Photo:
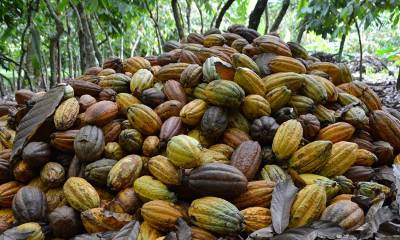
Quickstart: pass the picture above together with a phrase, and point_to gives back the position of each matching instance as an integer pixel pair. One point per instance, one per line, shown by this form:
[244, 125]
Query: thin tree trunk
[216, 14]
[55, 64]
[69, 51]
[341, 47]
[22, 41]
[398, 81]
[2, 89]
[89, 54]
[175, 11]
[281, 14]
[301, 32]
[134, 46]
[121, 54]
[59, 62]
[201, 17]
[255, 15]
[266, 14]
[188, 11]
[361, 48]
[156, 26]
[221, 14]
[93, 38]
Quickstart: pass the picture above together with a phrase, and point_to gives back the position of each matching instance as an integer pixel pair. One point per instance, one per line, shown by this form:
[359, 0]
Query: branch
[4, 57]
[175, 11]
[361, 49]
[59, 24]
[201, 16]
[255, 16]
[279, 18]
[222, 12]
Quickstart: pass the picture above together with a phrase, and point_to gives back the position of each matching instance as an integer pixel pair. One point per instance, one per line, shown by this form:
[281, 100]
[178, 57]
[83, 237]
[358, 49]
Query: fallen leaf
[282, 199]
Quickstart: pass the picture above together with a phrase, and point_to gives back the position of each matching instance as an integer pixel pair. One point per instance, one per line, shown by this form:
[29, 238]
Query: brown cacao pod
[168, 109]
[126, 201]
[227, 181]
[124, 172]
[101, 113]
[100, 220]
[258, 194]
[340, 131]
[36, 154]
[345, 213]
[247, 158]
[386, 127]
[62, 217]
[7, 193]
[234, 137]
[173, 90]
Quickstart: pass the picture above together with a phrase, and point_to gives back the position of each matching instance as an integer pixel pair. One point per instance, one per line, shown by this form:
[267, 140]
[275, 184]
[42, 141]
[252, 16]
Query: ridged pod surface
[287, 139]
[286, 64]
[293, 81]
[184, 151]
[342, 158]
[329, 68]
[249, 81]
[144, 119]
[308, 205]
[314, 89]
[150, 189]
[330, 88]
[133, 64]
[141, 80]
[247, 158]
[147, 232]
[312, 157]
[234, 137]
[242, 60]
[278, 97]
[224, 93]
[80, 194]
[386, 127]
[118, 82]
[364, 93]
[216, 215]
[255, 106]
[256, 218]
[345, 213]
[270, 43]
[193, 111]
[301, 104]
[273, 173]
[217, 179]
[125, 172]
[258, 194]
[324, 114]
[365, 158]
[214, 122]
[161, 215]
[89, 143]
[66, 114]
[340, 131]
[124, 101]
[162, 169]
[170, 71]
[191, 76]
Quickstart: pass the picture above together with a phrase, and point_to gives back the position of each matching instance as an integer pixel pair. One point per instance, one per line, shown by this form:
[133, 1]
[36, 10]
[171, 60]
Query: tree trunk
[134, 46]
[121, 54]
[2, 89]
[341, 47]
[279, 18]
[156, 26]
[55, 64]
[69, 51]
[302, 29]
[398, 81]
[266, 19]
[89, 58]
[30, 11]
[175, 11]
[215, 15]
[361, 48]
[255, 16]
[221, 14]
[201, 17]
[188, 11]
[93, 38]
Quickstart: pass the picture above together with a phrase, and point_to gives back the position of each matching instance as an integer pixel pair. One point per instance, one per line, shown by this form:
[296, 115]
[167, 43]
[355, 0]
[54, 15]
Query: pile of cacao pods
[201, 136]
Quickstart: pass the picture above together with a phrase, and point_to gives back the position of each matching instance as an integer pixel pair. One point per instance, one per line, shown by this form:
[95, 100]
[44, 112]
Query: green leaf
[61, 6]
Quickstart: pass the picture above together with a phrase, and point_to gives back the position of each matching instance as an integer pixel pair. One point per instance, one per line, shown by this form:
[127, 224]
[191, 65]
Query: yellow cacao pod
[312, 157]
[66, 114]
[150, 189]
[184, 151]
[343, 156]
[80, 194]
[255, 106]
[287, 139]
[256, 218]
[308, 205]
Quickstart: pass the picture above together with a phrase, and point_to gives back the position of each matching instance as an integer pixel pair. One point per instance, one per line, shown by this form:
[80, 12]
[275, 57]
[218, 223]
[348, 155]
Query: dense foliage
[43, 42]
